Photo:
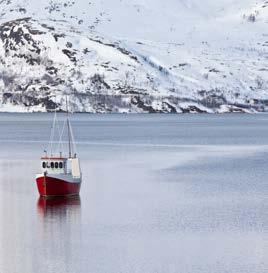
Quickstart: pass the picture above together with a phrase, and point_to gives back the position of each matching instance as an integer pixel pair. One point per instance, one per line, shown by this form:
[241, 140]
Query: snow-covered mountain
[134, 56]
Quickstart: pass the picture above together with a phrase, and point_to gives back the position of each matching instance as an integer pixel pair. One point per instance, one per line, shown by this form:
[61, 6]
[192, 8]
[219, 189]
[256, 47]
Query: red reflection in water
[57, 205]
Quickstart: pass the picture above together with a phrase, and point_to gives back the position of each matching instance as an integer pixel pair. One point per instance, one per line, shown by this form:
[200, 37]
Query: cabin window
[44, 165]
[56, 165]
[60, 165]
[48, 165]
[52, 165]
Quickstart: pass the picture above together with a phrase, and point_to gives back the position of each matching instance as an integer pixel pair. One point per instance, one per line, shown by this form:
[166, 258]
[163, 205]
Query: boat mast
[52, 133]
[69, 130]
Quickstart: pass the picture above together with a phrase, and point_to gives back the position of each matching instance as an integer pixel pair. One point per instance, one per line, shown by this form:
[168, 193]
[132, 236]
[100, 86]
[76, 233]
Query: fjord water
[160, 194]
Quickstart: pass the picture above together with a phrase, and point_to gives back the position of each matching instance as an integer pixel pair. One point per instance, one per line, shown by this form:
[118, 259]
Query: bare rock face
[55, 48]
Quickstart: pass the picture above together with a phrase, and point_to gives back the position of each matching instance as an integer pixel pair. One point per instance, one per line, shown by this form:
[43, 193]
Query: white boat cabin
[61, 165]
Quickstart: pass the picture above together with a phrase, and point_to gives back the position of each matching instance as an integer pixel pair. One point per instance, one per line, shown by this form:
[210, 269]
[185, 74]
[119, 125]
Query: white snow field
[134, 56]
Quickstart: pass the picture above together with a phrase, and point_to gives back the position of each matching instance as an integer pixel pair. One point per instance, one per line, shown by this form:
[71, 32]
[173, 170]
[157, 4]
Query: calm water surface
[160, 194]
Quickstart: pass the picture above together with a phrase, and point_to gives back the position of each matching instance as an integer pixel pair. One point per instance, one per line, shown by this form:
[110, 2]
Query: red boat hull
[50, 186]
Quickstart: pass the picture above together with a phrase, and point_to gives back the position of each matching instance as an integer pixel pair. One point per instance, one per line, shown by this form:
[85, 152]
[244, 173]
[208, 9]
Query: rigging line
[73, 140]
[59, 134]
[59, 148]
[69, 138]
[69, 134]
[56, 120]
[52, 134]
[60, 144]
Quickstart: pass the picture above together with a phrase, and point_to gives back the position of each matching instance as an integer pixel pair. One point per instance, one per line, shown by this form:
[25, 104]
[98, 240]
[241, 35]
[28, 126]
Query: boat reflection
[58, 206]
[59, 231]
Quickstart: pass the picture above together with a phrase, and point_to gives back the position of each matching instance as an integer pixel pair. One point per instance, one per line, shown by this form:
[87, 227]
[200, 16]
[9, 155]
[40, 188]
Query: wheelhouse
[54, 165]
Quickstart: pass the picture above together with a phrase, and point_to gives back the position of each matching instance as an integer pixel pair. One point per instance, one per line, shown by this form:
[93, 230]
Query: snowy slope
[134, 56]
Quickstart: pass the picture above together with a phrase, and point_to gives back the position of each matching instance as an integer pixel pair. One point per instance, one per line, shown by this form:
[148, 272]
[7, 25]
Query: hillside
[143, 56]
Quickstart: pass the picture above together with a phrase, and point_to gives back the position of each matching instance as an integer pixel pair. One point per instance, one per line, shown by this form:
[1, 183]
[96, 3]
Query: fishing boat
[60, 175]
